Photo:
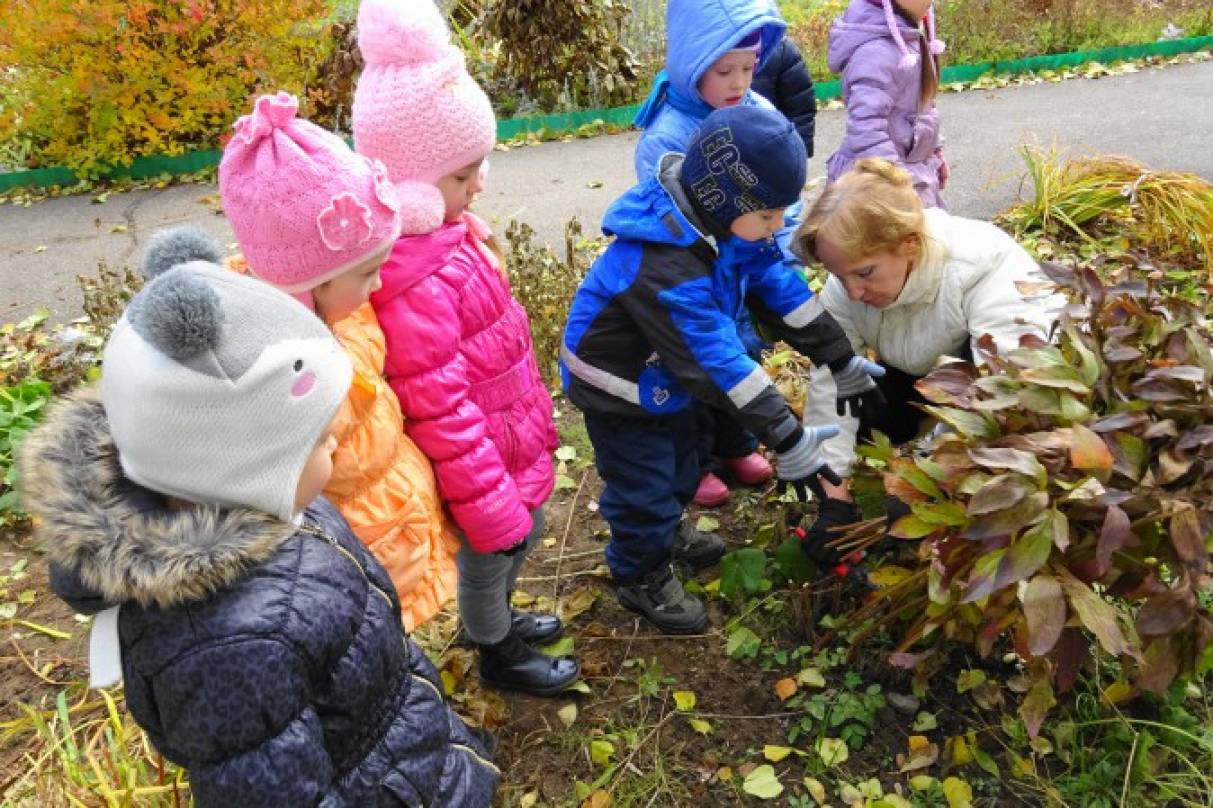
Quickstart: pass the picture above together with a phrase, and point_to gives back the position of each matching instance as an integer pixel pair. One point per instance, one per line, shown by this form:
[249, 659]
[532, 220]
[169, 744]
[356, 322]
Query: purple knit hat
[304, 206]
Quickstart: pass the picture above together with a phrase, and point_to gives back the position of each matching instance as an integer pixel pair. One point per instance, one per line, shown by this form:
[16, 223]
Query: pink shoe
[712, 492]
[753, 469]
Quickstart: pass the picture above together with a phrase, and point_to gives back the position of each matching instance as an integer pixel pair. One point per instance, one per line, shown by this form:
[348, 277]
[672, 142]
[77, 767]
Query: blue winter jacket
[698, 33]
[266, 658]
[654, 324]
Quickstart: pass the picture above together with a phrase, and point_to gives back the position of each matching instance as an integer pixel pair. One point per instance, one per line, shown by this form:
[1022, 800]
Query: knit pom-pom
[178, 245]
[909, 60]
[178, 313]
[937, 46]
[422, 208]
[402, 32]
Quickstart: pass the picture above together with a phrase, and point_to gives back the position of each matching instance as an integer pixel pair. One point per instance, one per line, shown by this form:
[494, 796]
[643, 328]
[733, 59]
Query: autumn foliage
[90, 83]
[1071, 504]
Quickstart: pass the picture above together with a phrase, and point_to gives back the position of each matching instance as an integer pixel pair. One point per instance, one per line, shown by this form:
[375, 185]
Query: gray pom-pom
[179, 313]
[178, 245]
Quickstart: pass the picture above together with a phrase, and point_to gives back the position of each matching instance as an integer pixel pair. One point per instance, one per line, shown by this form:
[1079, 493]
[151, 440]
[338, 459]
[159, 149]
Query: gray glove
[855, 386]
[800, 465]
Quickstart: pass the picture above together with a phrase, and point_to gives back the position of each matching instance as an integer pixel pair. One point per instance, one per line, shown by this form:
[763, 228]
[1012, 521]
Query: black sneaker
[513, 665]
[659, 597]
[695, 548]
[536, 628]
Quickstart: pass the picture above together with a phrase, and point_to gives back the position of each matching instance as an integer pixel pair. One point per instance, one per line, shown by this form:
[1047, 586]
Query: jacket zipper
[320, 534]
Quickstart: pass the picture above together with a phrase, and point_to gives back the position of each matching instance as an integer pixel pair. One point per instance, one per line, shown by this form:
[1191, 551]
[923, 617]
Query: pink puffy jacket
[459, 357]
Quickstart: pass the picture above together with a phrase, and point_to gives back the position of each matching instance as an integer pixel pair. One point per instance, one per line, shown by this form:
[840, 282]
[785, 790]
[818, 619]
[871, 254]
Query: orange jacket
[382, 483]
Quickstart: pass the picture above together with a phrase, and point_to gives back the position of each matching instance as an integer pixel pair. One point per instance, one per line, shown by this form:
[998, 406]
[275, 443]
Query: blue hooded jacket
[698, 33]
[654, 324]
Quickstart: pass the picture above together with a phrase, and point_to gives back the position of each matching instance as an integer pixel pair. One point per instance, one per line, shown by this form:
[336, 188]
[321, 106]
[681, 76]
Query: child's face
[758, 225]
[875, 280]
[728, 80]
[461, 187]
[343, 295]
[914, 8]
[316, 471]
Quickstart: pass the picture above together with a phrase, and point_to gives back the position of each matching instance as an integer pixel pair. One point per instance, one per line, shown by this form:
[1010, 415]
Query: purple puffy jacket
[459, 357]
[884, 118]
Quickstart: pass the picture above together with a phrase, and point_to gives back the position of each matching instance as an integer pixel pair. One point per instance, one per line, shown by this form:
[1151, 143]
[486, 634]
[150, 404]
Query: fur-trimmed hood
[119, 541]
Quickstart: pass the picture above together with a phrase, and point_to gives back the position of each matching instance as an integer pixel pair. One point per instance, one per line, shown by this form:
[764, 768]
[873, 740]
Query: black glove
[894, 509]
[833, 513]
[800, 464]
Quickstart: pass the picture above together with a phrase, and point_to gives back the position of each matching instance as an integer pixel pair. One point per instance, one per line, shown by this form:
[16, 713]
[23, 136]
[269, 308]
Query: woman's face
[875, 280]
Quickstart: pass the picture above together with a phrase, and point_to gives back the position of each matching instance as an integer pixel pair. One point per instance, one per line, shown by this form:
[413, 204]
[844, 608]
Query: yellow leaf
[816, 790]
[599, 799]
[724, 774]
[887, 576]
[684, 700]
[449, 682]
[922, 754]
[567, 714]
[811, 677]
[522, 599]
[958, 793]
[785, 689]
[776, 753]
[958, 751]
[922, 782]
[528, 799]
[700, 726]
[1117, 692]
[833, 751]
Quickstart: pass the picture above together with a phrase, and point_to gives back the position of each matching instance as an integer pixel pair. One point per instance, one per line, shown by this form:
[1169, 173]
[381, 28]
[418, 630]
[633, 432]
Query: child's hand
[944, 173]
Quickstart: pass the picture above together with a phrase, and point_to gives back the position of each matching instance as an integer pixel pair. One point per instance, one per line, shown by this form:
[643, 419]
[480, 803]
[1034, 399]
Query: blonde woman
[911, 285]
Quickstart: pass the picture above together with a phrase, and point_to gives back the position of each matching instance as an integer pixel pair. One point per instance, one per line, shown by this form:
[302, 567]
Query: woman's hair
[930, 65]
[872, 208]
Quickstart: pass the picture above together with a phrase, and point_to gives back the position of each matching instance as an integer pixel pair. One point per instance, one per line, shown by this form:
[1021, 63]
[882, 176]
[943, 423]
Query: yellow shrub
[91, 83]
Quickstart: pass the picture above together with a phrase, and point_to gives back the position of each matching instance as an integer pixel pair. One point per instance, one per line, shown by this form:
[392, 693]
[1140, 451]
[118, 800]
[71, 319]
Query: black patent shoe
[513, 665]
[536, 628]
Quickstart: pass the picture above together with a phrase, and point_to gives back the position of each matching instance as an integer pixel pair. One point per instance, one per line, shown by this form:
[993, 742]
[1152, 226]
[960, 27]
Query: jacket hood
[863, 22]
[698, 32]
[657, 210]
[122, 542]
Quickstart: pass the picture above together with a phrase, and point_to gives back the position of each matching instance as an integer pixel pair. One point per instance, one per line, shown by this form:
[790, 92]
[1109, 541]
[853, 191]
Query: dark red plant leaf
[1073, 650]
[1113, 535]
[1044, 609]
[1061, 275]
[1000, 493]
[1032, 549]
[1124, 421]
[1188, 538]
[950, 384]
[1036, 705]
[1016, 460]
[1161, 429]
[1159, 666]
[1116, 353]
[1166, 613]
[909, 660]
[1159, 391]
[1096, 614]
[1173, 465]
[1200, 436]
[1002, 523]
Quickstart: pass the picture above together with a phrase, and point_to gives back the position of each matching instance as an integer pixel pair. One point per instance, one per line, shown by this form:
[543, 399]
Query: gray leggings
[485, 583]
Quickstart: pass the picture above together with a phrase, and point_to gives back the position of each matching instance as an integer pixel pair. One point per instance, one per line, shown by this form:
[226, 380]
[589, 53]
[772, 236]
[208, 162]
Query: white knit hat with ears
[217, 386]
[909, 58]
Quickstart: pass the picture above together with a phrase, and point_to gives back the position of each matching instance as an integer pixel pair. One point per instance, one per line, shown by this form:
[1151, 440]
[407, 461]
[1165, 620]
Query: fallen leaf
[567, 714]
[776, 753]
[528, 799]
[811, 677]
[816, 790]
[785, 688]
[700, 726]
[922, 753]
[724, 773]
[922, 782]
[762, 783]
[969, 679]
[958, 793]
[833, 751]
[925, 722]
[706, 524]
[684, 700]
[599, 799]
[1117, 692]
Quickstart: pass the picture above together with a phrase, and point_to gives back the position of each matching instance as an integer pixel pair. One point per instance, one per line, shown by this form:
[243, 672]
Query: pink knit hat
[415, 106]
[305, 207]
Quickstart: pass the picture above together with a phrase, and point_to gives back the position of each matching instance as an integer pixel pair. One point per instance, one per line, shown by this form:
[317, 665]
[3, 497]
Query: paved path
[1161, 117]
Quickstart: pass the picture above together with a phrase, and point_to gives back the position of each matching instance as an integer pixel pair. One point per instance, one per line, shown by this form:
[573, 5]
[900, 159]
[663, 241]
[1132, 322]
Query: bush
[566, 53]
[545, 285]
[93, 83]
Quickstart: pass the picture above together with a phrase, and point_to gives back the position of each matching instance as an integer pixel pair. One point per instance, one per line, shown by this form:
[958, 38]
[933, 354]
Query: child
[653, 327]
[459, 350]
[890, 75]
[713, 52]
[317, 220]
[913, 285]
[783, 79]
[260, 643]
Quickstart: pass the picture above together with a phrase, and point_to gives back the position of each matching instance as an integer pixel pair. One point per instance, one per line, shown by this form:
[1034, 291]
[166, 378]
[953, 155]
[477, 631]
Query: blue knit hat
[743, 159]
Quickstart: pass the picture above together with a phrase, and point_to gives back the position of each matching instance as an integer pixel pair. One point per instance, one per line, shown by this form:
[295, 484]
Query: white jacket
[964, 287]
